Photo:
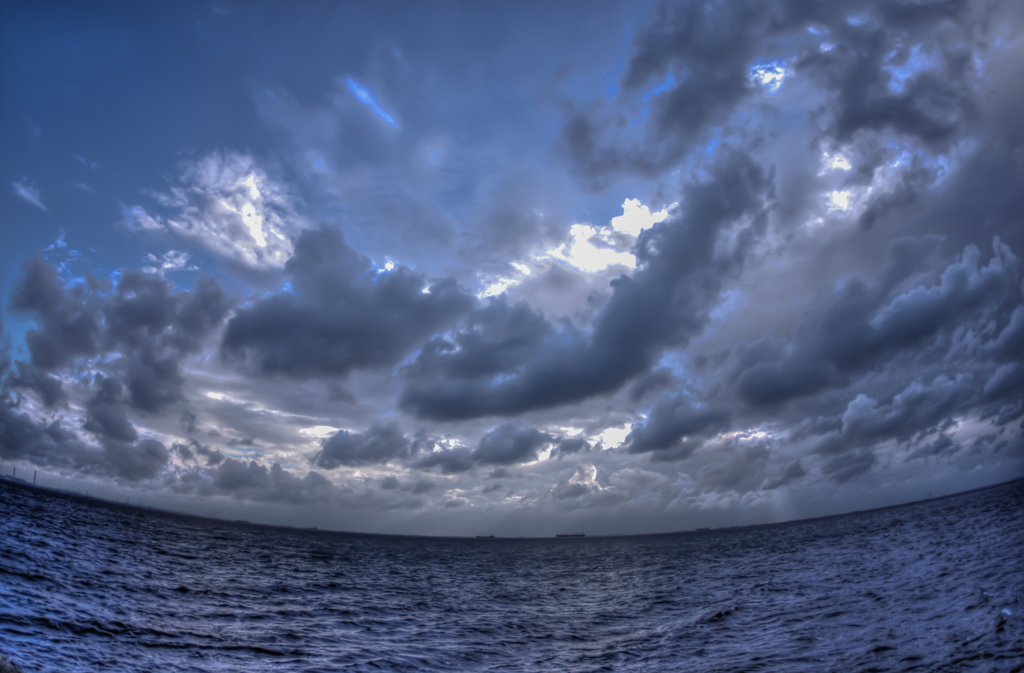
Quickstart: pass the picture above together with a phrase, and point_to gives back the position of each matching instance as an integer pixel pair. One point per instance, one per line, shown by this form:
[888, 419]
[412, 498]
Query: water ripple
[937, 586]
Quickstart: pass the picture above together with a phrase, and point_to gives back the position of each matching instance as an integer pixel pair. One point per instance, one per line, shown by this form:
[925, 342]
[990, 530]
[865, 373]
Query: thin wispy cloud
[366, 97]
[27, 191]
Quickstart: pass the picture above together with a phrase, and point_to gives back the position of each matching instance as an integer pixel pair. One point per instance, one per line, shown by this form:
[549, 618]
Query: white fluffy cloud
[227, 204]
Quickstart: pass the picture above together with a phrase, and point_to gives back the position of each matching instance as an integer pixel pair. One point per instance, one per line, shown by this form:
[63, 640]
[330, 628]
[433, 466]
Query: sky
[513, 268]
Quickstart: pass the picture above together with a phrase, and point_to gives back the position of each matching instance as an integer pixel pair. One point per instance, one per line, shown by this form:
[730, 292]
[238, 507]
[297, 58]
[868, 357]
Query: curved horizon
[98, 501]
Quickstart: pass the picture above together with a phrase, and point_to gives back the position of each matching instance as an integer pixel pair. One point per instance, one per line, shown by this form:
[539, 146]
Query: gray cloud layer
[834, 298]
[342, 315]
[508, 359]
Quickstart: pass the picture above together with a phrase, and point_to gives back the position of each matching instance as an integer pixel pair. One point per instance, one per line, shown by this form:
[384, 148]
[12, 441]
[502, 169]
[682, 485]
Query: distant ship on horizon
[570, 535]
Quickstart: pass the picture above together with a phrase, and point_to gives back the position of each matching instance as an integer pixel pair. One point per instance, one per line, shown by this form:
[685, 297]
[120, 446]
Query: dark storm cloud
[691, 67]
[148, 328]
[381, 443]
[847, 466]
[706, 50]
[932, 106]
[424, 486]
[1010, 342]
[142, 308]
[26, 375]
[910, 184]
[46, 444]
[51, 444]
[235, 475]
[909, 418]
[790, 473]
[198, 314]
[565, 490]
[742, 472]
[943, 445]
[5, 360]
[570, 445]
[155, 327]
[107, 417]
[253, 481]
[188, 422]
[193, 448]
[343, 314]
[915, 314]
[505, 360]
[985, 190]
[493, 340]
[1007, 380]
[995, 442]
[510, 444]
[68, 319]
[144, 319]
[918, 408]
[213, 456]
[128, 456]
[674, 423]
[154, 379]
[135, 462]
[1010, 413]
[450, 461]
[658, 379]
[864, 323]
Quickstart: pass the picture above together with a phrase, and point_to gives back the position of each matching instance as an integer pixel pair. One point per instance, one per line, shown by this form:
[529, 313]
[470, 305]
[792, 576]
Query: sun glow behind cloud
[833, 162]
[770, 75]
[590, 249]
[840, 199]
[250, 209]
[228, 204]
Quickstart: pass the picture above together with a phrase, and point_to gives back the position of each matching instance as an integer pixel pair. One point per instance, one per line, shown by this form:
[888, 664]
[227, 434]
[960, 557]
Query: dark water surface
[936, 586]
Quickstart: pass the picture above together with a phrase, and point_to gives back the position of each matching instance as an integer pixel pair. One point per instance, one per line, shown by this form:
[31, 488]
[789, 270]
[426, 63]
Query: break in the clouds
[444, 269]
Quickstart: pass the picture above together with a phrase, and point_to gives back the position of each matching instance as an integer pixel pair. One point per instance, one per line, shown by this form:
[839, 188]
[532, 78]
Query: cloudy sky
[513, 267]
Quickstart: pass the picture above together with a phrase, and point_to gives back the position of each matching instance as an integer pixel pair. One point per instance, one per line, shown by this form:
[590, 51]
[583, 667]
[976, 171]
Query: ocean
[933, 586]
